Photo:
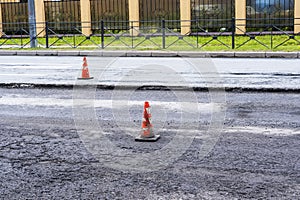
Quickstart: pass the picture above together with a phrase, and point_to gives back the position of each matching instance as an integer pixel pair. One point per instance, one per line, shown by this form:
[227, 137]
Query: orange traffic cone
[85, 70]
[147, 132]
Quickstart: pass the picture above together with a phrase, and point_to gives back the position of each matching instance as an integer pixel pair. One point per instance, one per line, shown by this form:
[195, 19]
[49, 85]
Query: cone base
[143, 139]
[85, 78]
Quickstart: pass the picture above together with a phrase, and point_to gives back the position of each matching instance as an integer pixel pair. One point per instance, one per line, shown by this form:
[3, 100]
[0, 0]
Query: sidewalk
[132, 53]
[245, 74]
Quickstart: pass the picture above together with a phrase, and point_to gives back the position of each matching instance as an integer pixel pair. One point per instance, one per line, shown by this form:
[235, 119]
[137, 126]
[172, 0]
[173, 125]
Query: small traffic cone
[85, 70]
[147, 134]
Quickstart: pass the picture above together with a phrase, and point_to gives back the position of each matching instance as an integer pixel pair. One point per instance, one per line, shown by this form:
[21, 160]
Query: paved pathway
[261, 73]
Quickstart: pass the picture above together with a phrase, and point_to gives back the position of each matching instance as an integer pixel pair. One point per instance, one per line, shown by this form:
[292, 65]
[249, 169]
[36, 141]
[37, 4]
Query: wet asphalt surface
[257, 155]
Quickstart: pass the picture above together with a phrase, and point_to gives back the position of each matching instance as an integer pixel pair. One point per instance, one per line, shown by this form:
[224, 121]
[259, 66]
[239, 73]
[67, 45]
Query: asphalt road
[137, 71]
[47, 150]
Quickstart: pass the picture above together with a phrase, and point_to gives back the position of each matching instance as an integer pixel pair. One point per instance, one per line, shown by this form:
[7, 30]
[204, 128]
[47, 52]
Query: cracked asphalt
[43, 156]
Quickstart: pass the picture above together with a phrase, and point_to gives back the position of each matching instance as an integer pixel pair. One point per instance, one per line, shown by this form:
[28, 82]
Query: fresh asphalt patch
[42, 154]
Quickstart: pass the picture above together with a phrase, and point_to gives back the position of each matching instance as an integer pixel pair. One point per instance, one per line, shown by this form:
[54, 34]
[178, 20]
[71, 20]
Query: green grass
[174, 43]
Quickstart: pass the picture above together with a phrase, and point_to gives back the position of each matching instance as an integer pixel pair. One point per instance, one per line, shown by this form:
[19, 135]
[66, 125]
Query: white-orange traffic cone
[147, 132]
[85, 70]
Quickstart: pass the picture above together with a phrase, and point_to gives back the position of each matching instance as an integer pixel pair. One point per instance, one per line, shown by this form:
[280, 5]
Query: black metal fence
[271, 37]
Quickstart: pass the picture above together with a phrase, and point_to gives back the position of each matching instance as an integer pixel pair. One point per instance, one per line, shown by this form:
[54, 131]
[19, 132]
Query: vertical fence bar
[163, 33]
[232, 32]
[102, 34]
[131, 35]
[272, 37]
[22, 38]
[74, 35]
[197, 38]
[1, 21]
[47, 35]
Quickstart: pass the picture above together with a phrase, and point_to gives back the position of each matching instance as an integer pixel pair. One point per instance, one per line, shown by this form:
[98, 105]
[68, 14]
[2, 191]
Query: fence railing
[225, 34]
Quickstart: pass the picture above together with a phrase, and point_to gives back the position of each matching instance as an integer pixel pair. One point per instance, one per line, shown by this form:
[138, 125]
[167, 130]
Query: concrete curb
[193, 54]
[68, 53]
[7, 53]
[91, 53]
[113, 53]
[164, 54]
[45, 53]
[250, 54]
[221, 54]
[282, 55]
[26, 53]
[138, 53]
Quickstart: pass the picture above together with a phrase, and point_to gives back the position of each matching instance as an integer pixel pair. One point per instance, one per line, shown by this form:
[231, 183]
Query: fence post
[102, 34]
[1, 25]
[233, 33]
[240, 16]
[163, 33]
[134, 17]
[74, 36]
[40, 17]
[297, 17]
[47, 36]
[272, 36]
[131, 35]
[85, 14]
[185, 16]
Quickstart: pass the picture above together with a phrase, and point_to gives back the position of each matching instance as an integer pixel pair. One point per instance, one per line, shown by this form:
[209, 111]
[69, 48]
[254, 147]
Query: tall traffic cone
[147, 134]
[85, 70]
